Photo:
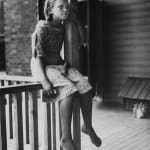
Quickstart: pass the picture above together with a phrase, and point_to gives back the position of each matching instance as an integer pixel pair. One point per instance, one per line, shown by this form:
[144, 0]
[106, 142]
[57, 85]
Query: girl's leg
[66, 108]
[86, 108]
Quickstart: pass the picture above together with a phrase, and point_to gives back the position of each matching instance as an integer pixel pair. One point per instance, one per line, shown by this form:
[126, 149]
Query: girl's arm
[37, 61]
[38, 71]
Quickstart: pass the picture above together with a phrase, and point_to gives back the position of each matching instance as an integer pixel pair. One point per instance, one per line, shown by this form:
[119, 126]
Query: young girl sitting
[60, 81]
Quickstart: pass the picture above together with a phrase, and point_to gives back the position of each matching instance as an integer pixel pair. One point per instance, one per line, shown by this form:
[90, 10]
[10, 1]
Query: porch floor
[118, 129]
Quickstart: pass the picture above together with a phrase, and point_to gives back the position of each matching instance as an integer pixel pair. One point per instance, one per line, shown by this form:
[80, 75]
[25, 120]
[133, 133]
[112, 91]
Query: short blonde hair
[49, 4]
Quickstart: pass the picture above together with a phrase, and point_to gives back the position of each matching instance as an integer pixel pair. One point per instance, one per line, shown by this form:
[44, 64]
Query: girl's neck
[56, 23]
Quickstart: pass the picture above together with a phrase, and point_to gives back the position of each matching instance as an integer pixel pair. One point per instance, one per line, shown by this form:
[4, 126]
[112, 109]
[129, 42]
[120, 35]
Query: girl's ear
[49, 10]
[50, 13]
[50, 16]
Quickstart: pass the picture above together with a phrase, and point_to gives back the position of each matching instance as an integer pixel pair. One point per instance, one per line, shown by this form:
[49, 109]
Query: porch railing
[21, 119]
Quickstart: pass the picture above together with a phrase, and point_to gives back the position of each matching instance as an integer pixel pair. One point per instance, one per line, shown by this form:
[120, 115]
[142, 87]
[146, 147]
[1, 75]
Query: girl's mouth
[65, 15]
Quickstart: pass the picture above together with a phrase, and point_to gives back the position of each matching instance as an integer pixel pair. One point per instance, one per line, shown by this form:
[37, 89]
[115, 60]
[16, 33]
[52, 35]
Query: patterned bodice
[49, 41]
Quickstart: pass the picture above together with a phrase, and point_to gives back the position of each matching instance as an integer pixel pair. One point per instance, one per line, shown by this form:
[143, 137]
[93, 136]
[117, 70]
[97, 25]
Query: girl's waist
[57, 66]
[60, 68]
[54, 61]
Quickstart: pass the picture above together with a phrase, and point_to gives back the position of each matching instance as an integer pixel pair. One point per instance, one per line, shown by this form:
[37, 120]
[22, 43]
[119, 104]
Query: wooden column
[73, 40]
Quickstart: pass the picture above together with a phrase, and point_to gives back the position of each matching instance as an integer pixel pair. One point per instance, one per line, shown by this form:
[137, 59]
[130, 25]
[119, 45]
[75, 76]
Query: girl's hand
[67, 66]
[48, 88]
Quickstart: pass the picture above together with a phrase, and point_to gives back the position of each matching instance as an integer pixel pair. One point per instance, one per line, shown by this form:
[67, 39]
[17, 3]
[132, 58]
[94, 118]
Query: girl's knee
[71, 96]
[89, 93]
[67, 143]
[65, 140]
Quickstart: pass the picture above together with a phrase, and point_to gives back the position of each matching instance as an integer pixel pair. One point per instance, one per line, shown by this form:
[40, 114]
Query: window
[40, 9]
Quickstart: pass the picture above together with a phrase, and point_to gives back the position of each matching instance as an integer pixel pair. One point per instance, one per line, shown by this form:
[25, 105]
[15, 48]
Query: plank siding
[126, 45]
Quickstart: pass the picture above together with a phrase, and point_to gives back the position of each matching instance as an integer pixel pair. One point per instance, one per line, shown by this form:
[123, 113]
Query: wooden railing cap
[19, 88]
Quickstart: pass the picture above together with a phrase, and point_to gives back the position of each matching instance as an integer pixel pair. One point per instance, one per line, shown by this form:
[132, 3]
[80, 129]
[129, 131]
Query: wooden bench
[135, 90]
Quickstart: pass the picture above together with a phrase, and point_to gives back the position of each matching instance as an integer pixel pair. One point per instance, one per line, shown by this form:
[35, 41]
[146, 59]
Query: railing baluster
[27, 116]
[58, 126]
[33, 120]
[2, 82]
[18, 121]
[47, 127]
[54, 125]
[9, 114]
[60, 130]
[9, 120]
[10, 103]
[76, 123]
[3, 134]
[51, 123]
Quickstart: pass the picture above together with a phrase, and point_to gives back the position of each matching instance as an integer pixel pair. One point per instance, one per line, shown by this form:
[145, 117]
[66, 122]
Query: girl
[60, 81]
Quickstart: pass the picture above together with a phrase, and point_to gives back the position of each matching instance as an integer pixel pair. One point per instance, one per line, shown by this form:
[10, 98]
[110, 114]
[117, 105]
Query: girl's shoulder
[42, 27]
[42, 24]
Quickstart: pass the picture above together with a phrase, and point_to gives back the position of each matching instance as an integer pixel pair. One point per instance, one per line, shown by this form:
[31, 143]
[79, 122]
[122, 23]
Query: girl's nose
[65, 9]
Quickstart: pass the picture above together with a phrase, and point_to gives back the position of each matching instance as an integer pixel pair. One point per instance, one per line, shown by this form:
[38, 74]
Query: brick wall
[1, 17]
[20, 18]
[2, 48]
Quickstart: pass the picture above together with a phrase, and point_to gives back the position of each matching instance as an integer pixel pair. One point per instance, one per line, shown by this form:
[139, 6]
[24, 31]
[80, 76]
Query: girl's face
[60, 10]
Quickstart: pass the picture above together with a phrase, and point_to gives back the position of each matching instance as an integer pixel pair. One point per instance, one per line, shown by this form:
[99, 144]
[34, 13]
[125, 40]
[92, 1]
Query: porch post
[73, 40]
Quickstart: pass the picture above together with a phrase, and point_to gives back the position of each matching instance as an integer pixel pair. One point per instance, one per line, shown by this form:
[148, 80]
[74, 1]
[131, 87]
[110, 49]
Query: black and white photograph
[74, 74]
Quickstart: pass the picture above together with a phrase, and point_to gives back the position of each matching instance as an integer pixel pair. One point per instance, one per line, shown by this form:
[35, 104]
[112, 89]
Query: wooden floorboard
[118, 129]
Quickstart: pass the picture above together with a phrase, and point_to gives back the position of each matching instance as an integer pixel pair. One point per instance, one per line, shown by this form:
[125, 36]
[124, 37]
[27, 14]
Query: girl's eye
[60, 7]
